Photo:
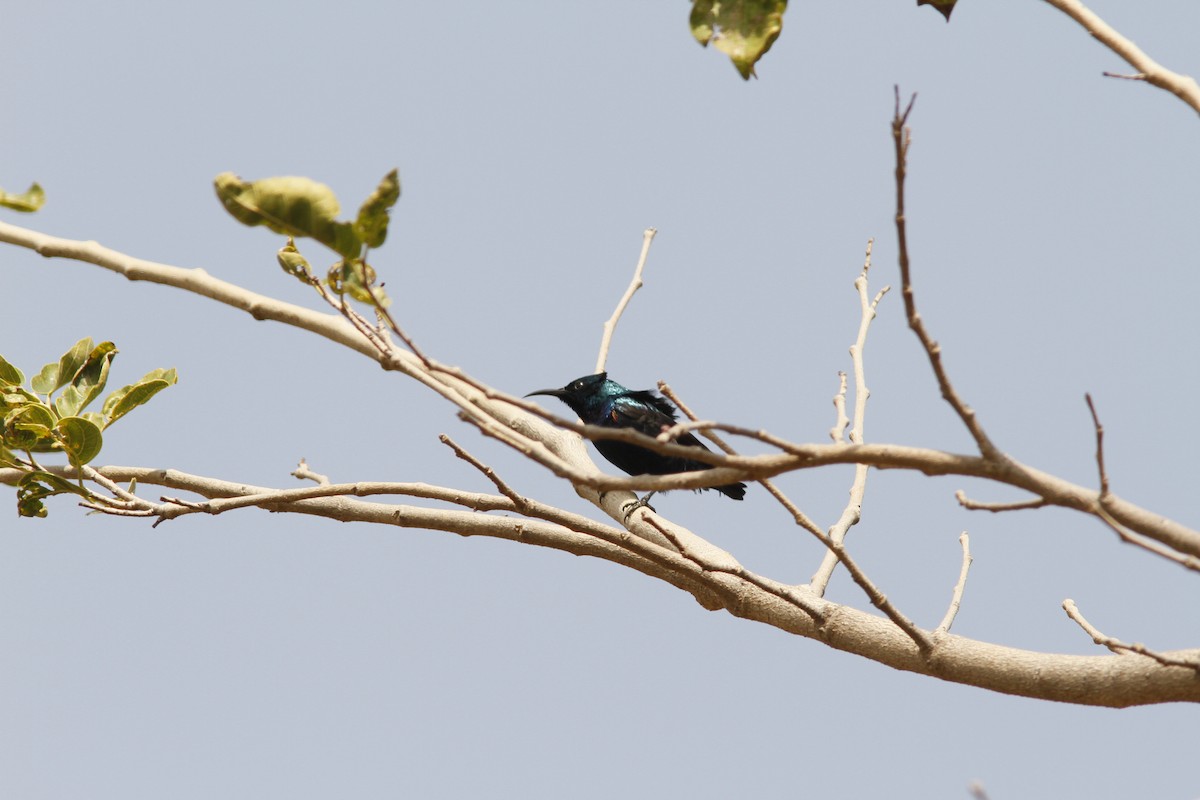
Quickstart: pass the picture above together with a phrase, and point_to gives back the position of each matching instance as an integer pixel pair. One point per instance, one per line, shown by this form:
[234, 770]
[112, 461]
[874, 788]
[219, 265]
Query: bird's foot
[643, 502]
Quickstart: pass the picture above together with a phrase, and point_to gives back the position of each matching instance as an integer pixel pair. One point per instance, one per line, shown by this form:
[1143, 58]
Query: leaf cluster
[301, 207]
[35, 421]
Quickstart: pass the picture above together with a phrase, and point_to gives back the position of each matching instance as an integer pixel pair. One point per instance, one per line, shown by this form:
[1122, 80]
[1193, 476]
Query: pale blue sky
[1053, 219]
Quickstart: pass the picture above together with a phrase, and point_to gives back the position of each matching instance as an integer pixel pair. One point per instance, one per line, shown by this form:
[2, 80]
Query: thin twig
[959, 586]
[786, 593]
[1104, 492]
[902, 137]
[1124, 648]
[487, 471]
[979, 505]
[177, 507]
[636, 283]
[1148, 70]
[839, 404]
[303, 473]
[1129, 537]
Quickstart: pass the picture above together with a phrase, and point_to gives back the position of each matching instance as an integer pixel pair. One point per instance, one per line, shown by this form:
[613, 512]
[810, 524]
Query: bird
[604, 402]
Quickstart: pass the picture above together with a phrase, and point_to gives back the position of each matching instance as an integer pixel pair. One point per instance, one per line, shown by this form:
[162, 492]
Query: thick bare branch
[1089, 680]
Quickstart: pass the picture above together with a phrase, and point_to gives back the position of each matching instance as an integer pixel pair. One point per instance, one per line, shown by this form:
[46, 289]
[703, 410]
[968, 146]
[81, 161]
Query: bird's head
[581, 392]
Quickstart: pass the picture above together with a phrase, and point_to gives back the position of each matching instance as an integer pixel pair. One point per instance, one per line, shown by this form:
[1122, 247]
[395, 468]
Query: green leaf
[46, 381]
[37, 485]
[944, 6]
[289, 205]
[80, 438]
[15, 396]
[742, 29]
[293, 263]
[372, 223]
[96, 418]
[352, 278]
[55, 376]
[88, 382]
[127, 398]
[30, 200]
[29, 426]
[10, 375]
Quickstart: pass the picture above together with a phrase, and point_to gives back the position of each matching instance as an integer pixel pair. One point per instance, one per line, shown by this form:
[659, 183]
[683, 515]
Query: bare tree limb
[1047, 676]
[643, 546]
[549, 444]
[1148, 70]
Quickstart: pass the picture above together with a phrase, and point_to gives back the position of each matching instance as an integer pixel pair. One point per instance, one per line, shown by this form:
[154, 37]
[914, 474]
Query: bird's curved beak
[550, 392]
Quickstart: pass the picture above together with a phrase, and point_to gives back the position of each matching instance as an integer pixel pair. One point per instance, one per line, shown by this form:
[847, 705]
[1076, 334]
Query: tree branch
[1148, 70]
[634, 284]
[648, 550]
[1088, 680]
[852, 512]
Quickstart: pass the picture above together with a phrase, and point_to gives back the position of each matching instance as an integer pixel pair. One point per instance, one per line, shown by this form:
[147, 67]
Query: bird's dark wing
[659, 403]
[648, 413]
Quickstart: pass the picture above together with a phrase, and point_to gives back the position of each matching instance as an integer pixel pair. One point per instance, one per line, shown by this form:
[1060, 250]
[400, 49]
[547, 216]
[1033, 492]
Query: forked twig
[852, 512]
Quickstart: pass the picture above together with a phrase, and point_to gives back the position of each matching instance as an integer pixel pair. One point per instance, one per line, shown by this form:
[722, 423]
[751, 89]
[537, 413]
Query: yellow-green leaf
[10, 375]
[88, 381]
[36, 485]
[30, 200]
[372, 223]
[127, 398]
[28, 426]
[353, 277]
[80, 438]
[742, 29]
[293, 206]
[292, 262]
